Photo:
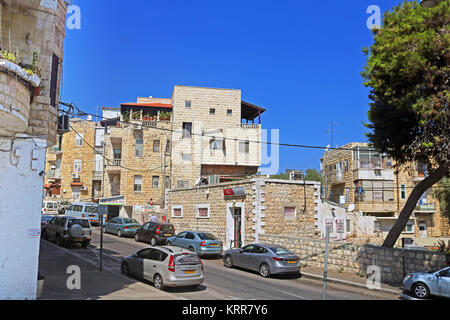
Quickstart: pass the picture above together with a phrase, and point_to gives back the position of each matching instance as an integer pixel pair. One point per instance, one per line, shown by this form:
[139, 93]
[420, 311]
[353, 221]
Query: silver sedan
[267, 259]
[422, 285]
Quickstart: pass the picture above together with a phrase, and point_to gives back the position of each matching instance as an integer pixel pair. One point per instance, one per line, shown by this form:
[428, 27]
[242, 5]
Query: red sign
[228, 192]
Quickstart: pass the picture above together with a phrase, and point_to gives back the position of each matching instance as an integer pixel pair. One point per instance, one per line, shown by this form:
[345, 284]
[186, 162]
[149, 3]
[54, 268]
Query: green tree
[442, 194]
[313, 175]
[407, 70]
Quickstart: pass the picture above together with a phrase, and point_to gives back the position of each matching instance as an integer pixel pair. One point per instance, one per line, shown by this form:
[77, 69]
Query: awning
[76, 184]
[250, 111]
[47, 186]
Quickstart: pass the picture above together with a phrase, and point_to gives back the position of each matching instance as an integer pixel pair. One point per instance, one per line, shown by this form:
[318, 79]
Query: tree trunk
[411, 203]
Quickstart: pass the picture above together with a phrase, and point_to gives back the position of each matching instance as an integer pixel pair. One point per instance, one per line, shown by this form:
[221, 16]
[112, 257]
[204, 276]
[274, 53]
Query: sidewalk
[347, 279]
[95, 285]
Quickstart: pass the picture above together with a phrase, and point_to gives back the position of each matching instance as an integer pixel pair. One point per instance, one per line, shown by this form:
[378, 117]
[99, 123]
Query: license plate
[214, 245]
[189, 271]
[78, 239]
[167, 235]
[135, 227]
[292, 261]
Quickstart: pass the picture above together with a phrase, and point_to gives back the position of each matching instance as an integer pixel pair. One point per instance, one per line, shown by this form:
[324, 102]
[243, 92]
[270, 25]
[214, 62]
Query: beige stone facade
[359, 176]
[262, 205]
[27, 27]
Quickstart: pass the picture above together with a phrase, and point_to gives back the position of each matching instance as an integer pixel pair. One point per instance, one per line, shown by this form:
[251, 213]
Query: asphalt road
[223, 283]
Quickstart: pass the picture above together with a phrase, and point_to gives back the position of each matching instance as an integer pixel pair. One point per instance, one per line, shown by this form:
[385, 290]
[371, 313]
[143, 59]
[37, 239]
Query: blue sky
[301, 60]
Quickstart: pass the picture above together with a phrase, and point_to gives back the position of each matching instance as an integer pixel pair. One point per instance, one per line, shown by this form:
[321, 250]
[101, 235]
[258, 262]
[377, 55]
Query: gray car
[422, 285]
[267, 259]
[165, 266]
[68, 230]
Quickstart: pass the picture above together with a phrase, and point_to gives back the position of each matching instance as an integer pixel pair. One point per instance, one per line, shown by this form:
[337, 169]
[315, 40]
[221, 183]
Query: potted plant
[126, 116]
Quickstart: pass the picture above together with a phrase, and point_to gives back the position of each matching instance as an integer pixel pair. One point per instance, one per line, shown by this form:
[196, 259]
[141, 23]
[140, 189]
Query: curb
[349, 283]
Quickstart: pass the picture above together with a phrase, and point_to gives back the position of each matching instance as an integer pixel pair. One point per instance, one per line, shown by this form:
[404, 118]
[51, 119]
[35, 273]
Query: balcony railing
[115, 162]
[97, 175]
[426, 207]
[250, 125]
[54, 174]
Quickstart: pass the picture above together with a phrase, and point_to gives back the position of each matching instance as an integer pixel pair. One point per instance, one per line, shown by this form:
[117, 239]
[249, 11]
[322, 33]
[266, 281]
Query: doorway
[422, 230]
[235, 226]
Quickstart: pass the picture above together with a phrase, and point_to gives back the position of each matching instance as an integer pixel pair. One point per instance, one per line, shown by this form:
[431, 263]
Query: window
[117, 154]
[259, 250]
[190, 236]
[77, 166]
[203, 211]
[76, 195]
[187, 130]
[212, 111]
[139, 149]
[216, 144]
[403, 191]
[348, 225]
[137, 183]
[79, 139]
[54, 81]
[155, 182]
[177, 211]
[244, 147]
[249, 248]
[187, 157]
[183, 184]
[156, 144]
[187, 104]
[167, 182]
[289, 212]
[229, 112]
[409, 227]
[346, 165]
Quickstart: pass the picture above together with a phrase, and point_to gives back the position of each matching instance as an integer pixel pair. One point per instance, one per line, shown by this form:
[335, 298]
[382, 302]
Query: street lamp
[430, 3]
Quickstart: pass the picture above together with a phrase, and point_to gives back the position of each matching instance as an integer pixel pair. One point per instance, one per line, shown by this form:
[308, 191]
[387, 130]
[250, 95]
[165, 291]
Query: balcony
[97, 175]
[54, 174]
[113, 165]
[426, 207]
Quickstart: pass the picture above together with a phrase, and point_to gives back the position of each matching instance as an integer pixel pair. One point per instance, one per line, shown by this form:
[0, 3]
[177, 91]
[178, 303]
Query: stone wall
[355, 258]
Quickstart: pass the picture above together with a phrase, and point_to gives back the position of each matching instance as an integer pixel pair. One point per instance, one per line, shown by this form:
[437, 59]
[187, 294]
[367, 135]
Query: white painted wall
[21, 195]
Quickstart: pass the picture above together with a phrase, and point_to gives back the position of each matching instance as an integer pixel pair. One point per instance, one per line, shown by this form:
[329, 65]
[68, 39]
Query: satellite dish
[351, 207]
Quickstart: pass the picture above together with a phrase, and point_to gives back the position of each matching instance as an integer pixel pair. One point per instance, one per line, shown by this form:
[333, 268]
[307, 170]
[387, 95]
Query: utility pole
[325, 270]
[163, 189]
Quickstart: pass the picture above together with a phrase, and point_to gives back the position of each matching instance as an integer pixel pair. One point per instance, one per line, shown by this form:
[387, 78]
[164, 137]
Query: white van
[87, 210]
[50, 207]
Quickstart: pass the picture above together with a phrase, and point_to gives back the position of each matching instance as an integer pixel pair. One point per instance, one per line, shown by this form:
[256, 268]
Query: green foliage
[165, 115]
[313, 175]
[30, 69]
[126, 115]
[408, 72]
[442, 194]
[282, 176]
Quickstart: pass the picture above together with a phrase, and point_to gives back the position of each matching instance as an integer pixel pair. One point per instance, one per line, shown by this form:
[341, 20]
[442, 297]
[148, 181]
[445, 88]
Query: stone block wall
[355, 258]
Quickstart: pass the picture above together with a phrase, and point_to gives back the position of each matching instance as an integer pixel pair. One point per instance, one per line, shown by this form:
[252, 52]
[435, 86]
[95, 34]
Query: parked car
[165, 266]
[423, 285]
[45, 219]
[121, 226]
[84, 210]
[49, 207]
[203, 243]
[154, 233]
[267, 259]
[63, 206]
[68, 230]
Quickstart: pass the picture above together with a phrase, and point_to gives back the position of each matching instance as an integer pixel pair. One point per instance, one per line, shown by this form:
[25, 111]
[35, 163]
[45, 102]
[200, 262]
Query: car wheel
[168, 243]
[153, 242]
[420, 290]
[119, 233]
[125, 269]
[158, 282]
[84, 244]
[228, 261]
[264, 270]
[136, 237]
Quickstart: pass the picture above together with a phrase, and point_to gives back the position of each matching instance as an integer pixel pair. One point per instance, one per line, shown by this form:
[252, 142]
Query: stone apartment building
[368, 183]
[74, 167]
[32, 35]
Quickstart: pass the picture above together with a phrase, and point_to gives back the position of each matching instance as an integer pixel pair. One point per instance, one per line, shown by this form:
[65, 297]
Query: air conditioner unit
[75, 176]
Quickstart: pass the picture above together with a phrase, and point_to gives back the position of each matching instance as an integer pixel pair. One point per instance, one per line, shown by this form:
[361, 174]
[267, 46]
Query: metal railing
[54, 174]
[249, 125]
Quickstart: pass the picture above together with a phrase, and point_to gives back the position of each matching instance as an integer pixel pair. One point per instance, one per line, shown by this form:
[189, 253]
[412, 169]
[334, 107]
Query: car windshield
[280, 250]
[186, 259]
[92, 209]
[128, 220]
[206, 236]
[166, 227]
[82, 222]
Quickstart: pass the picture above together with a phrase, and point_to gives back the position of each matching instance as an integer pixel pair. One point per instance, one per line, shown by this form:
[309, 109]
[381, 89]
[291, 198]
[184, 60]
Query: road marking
[291, 294]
